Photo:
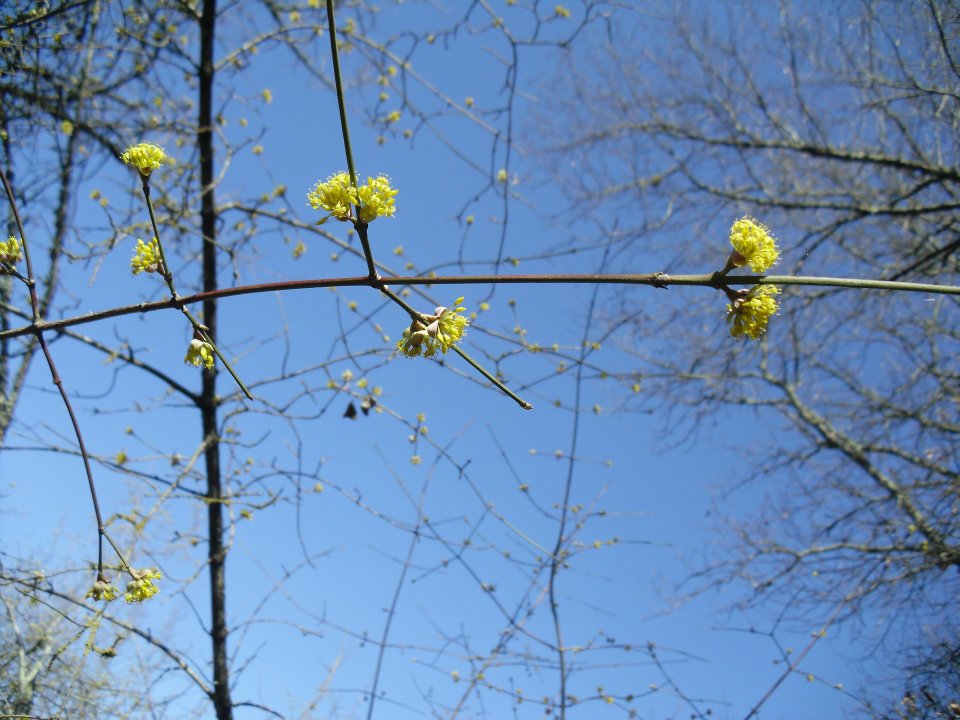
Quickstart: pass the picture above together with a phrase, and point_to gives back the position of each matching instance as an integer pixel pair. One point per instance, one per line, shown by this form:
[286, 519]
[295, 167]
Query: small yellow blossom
[146, 257]
[561, 12]
[102, 590]
[469, 219]
[10, 252]
[66, 127]
[398, 250]
[141, 587]
[294, 16]
[258, 149]
[753, 244]
[393, 116]
[468, 101]
[384, 96]
[338, 196]
[200, 353]
[318, 487]
[299, 249]
[749, 313]
[502, 175]
[443, 329]
[267, 96]
[246, 514]
[349, 27]
[376, 199]
[120, 458]
[391, 71]
[145, 157]
[347, 375]
[415, 460]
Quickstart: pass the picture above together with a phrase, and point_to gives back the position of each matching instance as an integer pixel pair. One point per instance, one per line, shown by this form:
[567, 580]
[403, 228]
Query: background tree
[839, 131]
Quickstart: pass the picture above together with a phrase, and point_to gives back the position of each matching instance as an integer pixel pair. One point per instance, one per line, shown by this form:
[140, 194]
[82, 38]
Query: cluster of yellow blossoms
[145, 157]
[10, 251]
[439, 331]
[338, 196]
[750, 310]
[146, 257]
[140, 588]
[200, 353]
[749, 314]
[753, 245]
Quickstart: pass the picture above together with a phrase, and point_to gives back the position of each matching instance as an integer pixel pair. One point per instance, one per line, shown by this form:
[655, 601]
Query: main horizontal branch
[657, 280]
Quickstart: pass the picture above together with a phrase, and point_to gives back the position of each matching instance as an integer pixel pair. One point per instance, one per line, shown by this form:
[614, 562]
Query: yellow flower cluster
[141, 587]
[749, 314]
[754, 245]
[338, 196]
[146, 257]
[200, 353]
[442, 331]
[10, 251]
[145, 157]
[102, 590]
[376, 199]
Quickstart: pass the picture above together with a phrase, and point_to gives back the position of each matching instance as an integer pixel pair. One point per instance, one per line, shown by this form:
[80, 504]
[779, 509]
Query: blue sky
[661, 496]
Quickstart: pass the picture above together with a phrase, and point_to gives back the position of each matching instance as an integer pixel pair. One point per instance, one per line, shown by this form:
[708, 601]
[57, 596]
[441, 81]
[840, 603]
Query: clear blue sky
[662, 498]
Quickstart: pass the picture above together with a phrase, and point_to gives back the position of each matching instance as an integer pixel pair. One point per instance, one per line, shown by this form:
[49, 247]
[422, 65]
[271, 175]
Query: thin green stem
[335, 54]
[176, 299]
[483, 371]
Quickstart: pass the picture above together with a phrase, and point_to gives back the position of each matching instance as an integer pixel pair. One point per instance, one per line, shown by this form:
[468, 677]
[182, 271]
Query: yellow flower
[200, 353]
[102, 590]
[336, 195]
[145, 157]
[748, 314]
[393, 117]
[444, 328]
[267, 95]
[502, 175]
[10, 251]
[561, 11]
[754, 244]
[146, 257]
[376, 199]
[141, 587]
[66, 127]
